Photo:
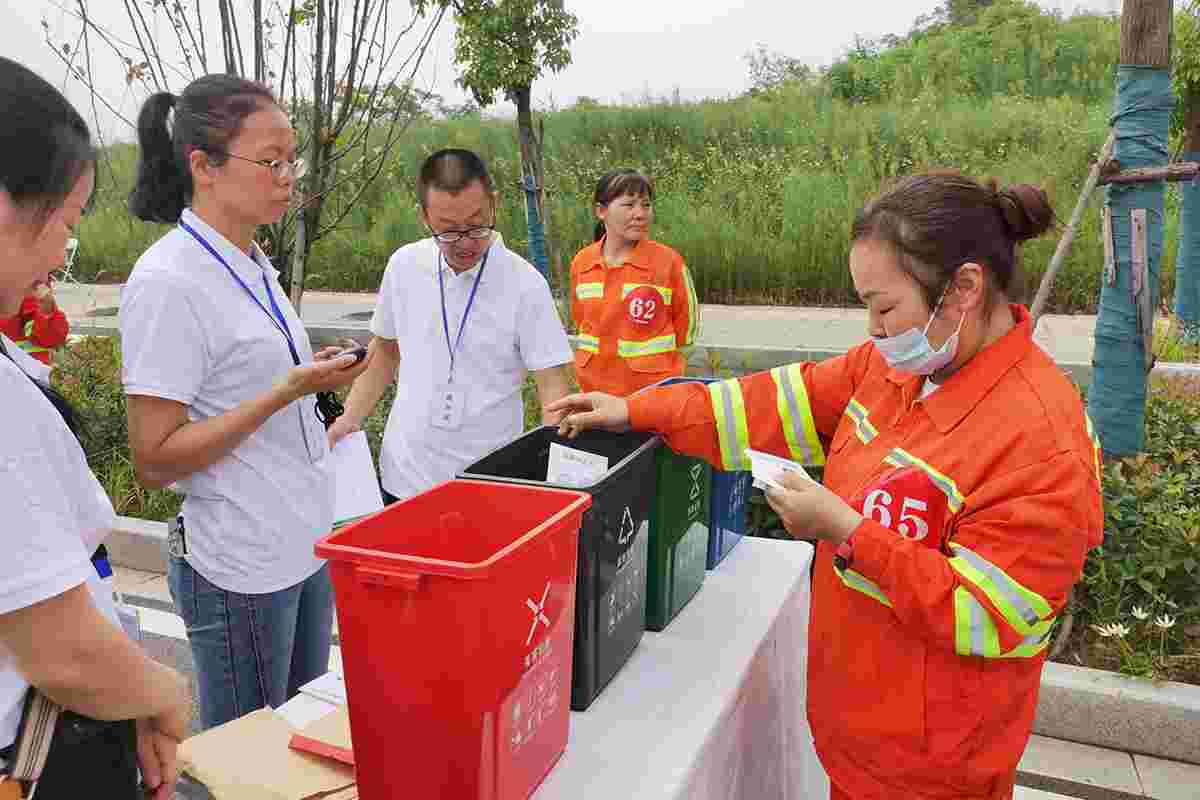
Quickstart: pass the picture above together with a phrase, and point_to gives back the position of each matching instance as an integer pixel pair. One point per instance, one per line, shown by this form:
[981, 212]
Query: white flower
[1141, 613]
[1115, 629]
[1165, 622]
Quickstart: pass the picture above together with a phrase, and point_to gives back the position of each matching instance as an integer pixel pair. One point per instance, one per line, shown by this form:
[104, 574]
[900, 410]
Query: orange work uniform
[35, 331]
[633, 318]
[981, 500]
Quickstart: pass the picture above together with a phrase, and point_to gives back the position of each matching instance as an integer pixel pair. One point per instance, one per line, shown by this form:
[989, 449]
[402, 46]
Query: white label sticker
[571, 467]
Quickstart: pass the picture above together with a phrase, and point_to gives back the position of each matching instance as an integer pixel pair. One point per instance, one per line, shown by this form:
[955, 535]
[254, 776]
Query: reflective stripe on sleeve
[975, 632]
[590, 344]
[1025, 610]
[729, 410]
[795, 416]
[861, 584]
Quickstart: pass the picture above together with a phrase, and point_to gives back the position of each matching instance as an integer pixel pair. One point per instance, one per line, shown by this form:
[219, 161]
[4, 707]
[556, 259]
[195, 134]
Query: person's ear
[201, 168]
[968, 289]
[602, 212]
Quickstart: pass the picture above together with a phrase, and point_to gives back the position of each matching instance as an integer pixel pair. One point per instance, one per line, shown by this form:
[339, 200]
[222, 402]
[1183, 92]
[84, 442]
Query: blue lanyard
[277, 318]
[466, 311]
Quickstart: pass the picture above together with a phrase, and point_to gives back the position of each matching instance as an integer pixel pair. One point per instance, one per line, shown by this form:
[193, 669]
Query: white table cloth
[712, 708]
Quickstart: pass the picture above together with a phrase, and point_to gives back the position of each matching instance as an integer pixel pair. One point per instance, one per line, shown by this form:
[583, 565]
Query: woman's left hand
[810, 511]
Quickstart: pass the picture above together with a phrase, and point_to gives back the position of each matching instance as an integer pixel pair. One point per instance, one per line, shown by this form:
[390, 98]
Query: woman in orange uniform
[631, 297]
[961, 493]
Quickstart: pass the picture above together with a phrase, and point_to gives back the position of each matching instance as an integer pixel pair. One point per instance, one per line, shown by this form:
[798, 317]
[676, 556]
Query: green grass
[757, 193]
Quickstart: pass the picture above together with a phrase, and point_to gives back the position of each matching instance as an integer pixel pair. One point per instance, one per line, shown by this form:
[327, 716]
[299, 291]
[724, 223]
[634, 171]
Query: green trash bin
[679, 531]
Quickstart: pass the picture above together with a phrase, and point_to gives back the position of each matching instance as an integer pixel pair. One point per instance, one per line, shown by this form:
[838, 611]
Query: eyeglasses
[450, 237]
[281, 170]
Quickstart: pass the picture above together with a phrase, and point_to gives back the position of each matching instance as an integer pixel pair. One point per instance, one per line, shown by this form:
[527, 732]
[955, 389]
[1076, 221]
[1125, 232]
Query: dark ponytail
[208, 115]
[163, 186]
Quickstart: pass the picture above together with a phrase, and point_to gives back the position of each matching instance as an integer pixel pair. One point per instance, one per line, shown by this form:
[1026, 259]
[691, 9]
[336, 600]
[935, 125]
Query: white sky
[626, 49]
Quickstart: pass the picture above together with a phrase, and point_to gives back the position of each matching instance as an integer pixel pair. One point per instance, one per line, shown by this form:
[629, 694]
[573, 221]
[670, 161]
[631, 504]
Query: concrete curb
[1105, 709]
[138, 544]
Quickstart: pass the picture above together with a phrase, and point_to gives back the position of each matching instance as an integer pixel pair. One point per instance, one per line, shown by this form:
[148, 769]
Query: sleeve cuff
[644, 413]
[873, 545]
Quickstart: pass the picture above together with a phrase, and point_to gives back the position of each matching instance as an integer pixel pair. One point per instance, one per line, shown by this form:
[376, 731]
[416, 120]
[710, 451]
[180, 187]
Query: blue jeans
[252, 650]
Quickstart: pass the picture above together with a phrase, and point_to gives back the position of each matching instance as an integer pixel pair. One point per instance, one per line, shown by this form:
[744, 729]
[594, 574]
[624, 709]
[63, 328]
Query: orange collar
[967, 387]
[638, 257]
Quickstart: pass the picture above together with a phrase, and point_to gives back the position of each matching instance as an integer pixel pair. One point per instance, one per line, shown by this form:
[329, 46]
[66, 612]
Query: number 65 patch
[908, 502]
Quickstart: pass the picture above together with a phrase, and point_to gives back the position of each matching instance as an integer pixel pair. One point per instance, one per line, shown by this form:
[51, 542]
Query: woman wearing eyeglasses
[220, 377]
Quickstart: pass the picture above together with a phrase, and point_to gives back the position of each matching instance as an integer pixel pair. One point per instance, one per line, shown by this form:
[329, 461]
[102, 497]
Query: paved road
[1068, 338]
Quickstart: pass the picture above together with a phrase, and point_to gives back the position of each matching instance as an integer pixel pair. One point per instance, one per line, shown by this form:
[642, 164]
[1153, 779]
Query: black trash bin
[610, 596]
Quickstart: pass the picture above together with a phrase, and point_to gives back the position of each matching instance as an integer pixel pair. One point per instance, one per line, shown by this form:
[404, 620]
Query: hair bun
[1026, 211]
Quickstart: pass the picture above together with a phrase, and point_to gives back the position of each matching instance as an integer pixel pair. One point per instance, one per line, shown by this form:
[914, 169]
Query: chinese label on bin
[577, 468]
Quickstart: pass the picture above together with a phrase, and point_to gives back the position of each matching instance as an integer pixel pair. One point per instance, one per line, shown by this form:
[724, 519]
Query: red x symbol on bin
[539, 613]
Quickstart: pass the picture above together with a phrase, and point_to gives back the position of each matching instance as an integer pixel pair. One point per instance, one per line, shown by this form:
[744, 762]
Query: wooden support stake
[1110, 258]
[1068, 237]
[1140, 283]
[1181, 171]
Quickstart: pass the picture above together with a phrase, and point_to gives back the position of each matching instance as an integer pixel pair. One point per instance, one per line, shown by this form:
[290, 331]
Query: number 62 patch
[642, 305]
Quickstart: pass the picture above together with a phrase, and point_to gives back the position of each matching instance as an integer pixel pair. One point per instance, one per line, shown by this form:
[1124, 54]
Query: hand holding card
[767, 469]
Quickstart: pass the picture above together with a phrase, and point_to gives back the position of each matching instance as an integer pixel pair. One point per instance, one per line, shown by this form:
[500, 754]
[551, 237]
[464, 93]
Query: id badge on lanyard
[449, 398]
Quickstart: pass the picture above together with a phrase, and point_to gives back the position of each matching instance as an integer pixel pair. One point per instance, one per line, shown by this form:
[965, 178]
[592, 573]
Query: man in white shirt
[460, 321]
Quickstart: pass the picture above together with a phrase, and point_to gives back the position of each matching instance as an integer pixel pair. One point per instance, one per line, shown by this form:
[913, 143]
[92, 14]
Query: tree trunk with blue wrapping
[531, 180]
[1187, 267]
[1141, 122]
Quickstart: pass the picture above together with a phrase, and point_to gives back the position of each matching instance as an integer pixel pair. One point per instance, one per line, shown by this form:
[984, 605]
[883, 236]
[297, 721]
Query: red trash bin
[456, 613]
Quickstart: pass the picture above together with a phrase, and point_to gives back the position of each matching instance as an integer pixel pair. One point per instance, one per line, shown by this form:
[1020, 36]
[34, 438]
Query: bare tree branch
[237, 40]
[178, 28]
[260, 64]
[154, 43]
[203, 43]
[226, 37]
[87, 81]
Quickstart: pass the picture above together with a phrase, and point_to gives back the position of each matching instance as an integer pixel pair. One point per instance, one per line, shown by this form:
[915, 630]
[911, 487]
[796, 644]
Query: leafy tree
[770, 70]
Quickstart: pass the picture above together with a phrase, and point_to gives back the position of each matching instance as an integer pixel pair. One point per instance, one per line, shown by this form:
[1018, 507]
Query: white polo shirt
[55, 515]
[513, 328]
[191, 334]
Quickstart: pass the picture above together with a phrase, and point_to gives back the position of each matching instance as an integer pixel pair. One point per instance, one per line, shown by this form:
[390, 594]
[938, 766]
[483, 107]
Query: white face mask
[911, 351]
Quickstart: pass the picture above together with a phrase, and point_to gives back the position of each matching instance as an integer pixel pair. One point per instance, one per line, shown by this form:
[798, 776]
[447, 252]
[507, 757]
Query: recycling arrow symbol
[626, 528]
[696, 470]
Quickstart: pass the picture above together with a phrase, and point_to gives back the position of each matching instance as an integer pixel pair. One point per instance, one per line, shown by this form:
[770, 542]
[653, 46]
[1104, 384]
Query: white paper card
[571, 467]
[449, 405]
[768, 469]
[352, 473]
[330, 687]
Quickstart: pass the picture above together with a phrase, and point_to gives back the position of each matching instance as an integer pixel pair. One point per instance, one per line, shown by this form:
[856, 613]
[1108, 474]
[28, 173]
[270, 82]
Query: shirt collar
[439, 264]
[248, 267]
[638, 257]
[966, 388]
